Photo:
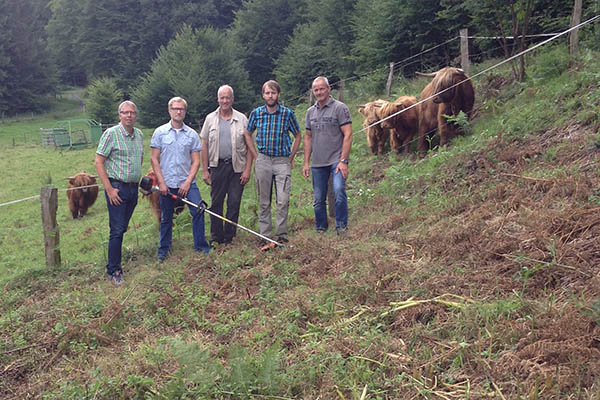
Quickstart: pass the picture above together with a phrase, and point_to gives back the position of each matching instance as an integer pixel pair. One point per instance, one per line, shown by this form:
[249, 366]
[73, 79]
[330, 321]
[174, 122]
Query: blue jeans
[320, 179]
[166, 221]
[118, 220]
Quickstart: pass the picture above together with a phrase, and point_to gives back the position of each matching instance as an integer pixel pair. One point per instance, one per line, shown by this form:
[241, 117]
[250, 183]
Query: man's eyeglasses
[127, 112]
[178, 109]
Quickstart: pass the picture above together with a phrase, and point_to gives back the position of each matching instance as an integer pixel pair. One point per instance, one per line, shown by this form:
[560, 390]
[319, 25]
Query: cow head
[444, 84]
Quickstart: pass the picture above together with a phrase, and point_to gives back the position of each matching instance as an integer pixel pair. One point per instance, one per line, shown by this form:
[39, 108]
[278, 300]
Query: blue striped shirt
[272, 130]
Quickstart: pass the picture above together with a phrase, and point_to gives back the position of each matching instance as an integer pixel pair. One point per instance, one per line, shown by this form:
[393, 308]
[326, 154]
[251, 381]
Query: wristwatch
[345, 161]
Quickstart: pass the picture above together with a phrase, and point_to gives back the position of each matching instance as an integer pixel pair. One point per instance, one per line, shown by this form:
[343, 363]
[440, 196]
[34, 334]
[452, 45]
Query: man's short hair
[225, 87]
[178, 99]
[127, 103]
[272, 85]
[321, 78]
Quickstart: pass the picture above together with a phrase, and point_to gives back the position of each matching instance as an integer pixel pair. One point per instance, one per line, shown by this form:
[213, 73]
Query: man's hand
[113, 196]
[245, 177]
[163, 189]
[306, 171]
[206, 177]
[184, 189]
[343, 168]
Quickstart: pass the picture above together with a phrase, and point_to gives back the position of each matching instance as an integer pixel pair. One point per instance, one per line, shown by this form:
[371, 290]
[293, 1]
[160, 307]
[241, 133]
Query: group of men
[225, 151]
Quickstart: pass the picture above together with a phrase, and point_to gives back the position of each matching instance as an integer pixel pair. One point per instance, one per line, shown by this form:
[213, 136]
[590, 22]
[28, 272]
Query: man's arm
[295, 146]
[346, 146]
[250, 144]
[185, 186]
[204, 157]
[307, 153]
[155, 162]
[245, 177]
[112, 193]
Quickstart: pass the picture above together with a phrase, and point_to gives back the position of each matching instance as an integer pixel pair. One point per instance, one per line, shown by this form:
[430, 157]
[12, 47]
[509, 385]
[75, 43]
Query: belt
[225, 160]
[121, 182]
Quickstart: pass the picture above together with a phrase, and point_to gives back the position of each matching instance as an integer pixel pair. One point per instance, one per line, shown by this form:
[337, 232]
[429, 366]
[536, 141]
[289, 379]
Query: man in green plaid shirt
[119, 166]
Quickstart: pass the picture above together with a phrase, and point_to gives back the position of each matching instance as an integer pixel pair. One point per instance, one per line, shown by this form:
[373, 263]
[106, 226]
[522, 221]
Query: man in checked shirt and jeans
[274, 159]
[119, 167]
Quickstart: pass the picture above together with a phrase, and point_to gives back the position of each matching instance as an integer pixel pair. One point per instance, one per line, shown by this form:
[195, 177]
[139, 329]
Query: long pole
[186, 201]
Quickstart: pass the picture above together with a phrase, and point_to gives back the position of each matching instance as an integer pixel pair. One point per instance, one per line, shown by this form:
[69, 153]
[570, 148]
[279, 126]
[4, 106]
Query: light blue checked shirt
[176, 150]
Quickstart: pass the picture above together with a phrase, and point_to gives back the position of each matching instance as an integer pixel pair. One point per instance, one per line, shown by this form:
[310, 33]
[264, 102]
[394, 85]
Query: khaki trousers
[269, 171]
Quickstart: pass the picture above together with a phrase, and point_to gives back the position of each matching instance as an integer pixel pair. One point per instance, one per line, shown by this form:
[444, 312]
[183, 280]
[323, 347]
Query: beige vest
[210, 136]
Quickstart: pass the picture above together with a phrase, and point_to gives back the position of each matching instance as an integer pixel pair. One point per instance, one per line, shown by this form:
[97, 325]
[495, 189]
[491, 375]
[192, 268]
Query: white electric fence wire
[484, 71]
[37, 195]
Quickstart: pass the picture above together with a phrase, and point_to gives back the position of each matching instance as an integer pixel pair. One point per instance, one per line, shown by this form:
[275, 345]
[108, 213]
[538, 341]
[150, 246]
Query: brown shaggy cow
[451, 102]
[402, 126]
[376, 135]
[154, 199]
[81, 199]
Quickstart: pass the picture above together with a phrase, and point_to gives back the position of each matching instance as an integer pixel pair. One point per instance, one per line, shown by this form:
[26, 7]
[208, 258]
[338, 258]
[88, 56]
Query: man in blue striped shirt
[276, 150]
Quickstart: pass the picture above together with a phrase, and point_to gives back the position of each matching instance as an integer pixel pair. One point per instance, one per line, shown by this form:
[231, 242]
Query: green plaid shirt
[123, 152]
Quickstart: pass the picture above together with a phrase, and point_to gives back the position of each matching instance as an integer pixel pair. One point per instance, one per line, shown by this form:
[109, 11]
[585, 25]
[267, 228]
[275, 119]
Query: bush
[550, 63]
[103, 100]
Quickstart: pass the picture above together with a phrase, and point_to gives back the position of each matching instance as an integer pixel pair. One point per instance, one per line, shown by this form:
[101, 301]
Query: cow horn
[430, 74]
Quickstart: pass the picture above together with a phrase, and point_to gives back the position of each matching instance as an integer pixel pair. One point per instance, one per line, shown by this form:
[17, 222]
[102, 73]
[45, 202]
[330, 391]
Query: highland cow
[455, 93]
[154, 199]
[376, 135]
[403, 125]
[81, 199]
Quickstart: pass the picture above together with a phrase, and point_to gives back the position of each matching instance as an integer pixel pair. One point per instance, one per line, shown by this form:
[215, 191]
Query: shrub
[104, 97]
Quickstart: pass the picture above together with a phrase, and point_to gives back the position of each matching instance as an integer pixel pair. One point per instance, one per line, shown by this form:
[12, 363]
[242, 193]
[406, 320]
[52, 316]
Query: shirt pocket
[168, 139]
[186, 143]
[238, 139]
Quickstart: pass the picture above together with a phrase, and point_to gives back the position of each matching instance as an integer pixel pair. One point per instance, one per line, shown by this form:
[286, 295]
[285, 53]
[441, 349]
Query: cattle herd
[385, 120]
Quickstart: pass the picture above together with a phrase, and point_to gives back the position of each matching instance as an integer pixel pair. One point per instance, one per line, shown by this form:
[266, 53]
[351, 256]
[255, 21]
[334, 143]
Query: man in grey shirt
[328, 139]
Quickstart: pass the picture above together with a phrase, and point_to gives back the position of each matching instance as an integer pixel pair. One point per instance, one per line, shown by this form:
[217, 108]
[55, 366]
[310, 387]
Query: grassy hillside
[471, 273]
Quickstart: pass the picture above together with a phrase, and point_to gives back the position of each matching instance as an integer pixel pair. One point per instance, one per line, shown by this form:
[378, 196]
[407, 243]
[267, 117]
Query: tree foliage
[83, 40]
[96, 38]
[26, 73]
[264, 28]
[104, 97]
[317, 47]
[193, 65]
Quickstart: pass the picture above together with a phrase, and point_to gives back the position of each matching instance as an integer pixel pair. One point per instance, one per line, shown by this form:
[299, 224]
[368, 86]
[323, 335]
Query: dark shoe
[341, 231]
[117, 278]
[283, 240]
[215, 243]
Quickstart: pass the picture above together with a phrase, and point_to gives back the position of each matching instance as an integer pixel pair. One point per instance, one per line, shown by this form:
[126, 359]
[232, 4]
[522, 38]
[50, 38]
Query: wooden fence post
[311, 96]
[464, 51]
[574, 34]
[341, 90]
[49, 200]
[388, 85]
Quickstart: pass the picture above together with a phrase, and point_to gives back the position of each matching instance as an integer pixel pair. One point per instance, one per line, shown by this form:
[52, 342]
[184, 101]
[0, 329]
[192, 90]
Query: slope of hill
[469, 274]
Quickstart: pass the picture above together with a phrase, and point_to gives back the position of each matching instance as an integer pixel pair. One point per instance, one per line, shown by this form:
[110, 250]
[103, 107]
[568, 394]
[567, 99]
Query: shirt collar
[326, 104]
[184, 127]
[233, 116]
[122, 128]
[277, 111]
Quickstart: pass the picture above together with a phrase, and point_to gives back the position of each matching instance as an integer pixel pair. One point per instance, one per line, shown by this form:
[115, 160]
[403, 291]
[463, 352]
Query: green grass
[321, 318]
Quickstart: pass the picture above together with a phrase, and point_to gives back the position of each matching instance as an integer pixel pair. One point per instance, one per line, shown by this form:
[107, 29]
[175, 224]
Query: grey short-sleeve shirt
[327, 137]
